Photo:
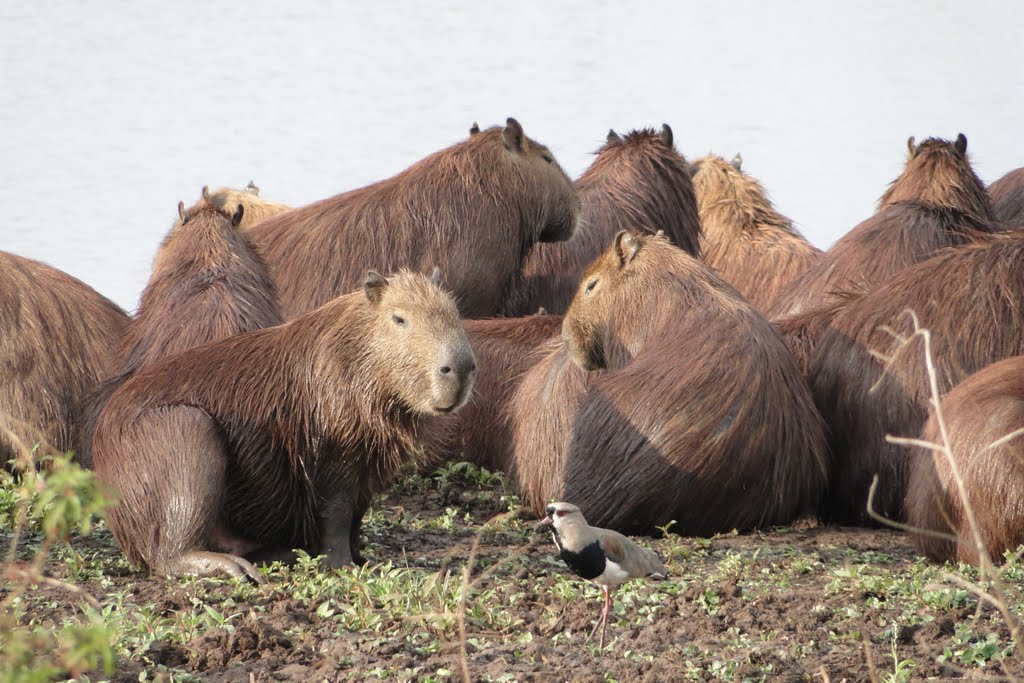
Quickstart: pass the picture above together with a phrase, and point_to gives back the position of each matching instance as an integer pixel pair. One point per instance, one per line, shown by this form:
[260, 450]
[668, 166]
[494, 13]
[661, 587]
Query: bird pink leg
[604, 614]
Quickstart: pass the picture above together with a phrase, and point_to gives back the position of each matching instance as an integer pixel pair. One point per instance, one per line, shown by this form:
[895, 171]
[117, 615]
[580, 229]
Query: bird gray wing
[636, 560]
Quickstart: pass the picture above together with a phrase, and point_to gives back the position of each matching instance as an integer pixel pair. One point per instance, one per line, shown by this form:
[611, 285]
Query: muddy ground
[805, 603]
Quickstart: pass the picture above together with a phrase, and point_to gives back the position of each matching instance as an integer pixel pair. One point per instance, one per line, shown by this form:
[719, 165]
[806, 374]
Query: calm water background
[110, 112]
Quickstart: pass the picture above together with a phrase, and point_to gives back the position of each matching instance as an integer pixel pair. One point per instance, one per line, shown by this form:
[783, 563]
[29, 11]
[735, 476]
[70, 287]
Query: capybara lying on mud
[984, 415]
[970, 298]
[57, 339]
[277, 439]
[474, 209]
[750, 244]
[639, 180]
[1007, 196]
[692, 411]
[208, 283]
[936, 202]
[255, 209]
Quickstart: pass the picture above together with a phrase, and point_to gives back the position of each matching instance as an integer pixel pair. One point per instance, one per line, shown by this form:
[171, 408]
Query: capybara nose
[462, 366]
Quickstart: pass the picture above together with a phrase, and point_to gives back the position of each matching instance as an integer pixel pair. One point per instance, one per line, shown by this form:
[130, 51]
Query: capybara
[970, 298]
[256, 209]
[207, 283]
[639, 180]
[474, 209]
[505, 348]
[1007, 196]
[57, 340]
[750, 244]
[984, 415]
[693, 410]
[936, 202]
[276, 439]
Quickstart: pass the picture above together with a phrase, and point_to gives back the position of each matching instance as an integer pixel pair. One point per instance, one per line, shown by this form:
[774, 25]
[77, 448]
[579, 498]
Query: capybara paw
[205, 563]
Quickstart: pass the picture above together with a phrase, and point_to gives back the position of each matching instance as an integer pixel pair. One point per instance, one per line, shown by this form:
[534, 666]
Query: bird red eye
[560, 513]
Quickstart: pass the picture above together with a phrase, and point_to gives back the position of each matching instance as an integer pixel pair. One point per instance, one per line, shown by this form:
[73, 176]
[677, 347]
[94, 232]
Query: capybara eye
[591, 285]
[548, 158]
[399, 320]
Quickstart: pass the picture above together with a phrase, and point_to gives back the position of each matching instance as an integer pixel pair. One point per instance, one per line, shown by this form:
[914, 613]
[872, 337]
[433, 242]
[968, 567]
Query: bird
[603, 556]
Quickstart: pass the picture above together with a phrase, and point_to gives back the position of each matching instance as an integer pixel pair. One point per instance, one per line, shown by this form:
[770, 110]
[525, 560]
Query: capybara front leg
[335, 530]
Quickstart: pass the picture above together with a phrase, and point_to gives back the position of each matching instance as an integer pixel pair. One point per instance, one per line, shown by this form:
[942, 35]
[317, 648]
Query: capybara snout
[456, 370]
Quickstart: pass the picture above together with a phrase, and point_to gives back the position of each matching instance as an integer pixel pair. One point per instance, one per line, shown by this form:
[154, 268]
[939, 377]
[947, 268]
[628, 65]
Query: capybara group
[669, 398]
[474, 209]
[278, 438]
[750, 244]
[868, 373]
[983, 416]
[937, 201]
[207, 283]
[57, 339]
[639, 180]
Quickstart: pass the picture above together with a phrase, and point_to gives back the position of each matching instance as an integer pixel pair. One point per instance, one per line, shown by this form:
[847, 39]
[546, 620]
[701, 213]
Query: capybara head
[537, 166]
[938, 174]
[418, 343]
[613, 312]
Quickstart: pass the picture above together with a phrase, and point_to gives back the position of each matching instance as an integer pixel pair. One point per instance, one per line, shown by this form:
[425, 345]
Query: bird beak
[546, 524]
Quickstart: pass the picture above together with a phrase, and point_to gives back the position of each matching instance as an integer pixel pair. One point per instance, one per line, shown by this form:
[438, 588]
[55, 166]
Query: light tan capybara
[57, 339]
[672, 398]
[638, 180]
[277, 439]
[207, 283]
[474, 209]
[750, 244]
[1007, 196]
[936, 202]
[255, 209]
[970, 297]
[983, 416]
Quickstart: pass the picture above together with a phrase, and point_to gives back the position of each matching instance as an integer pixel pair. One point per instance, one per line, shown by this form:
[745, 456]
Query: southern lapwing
[603, 556]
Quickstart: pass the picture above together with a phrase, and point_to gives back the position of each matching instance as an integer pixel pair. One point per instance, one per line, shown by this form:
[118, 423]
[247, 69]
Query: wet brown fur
[748, 242]
[700, 417]
[278, 438]
[57, 339]
[256, 209]
[474, 209]
[937, 201]
[970, 297]
[1007, 196]
[638, 180]
[978, 412]
[208, 282]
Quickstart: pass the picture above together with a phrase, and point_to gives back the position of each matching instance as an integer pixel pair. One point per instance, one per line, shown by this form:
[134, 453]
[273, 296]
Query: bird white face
[559, 513]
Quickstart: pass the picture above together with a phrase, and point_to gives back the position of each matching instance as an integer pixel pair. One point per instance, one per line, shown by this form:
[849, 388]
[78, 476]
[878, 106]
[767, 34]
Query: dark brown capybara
[983, 415]
[207, 283]
[750, 244]
[638, 180]
[1007, 196]
[474, 209]
[693, 410]
[277, 439]
[970, 297]
[255, 208]
[505, 348]
[57, 340]
[936, 202]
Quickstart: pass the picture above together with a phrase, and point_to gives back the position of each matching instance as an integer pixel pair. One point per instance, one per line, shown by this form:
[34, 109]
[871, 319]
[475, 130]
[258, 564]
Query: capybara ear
[626, 246]
[206, 192]
[435, 275]
[666, 135]
[181, 210]
[513, 135]
[737, 162]
[374, 285]
[237, 218]
[613, 136]
[911, 148]
[474, 129]
[251, 188]
[961, 143]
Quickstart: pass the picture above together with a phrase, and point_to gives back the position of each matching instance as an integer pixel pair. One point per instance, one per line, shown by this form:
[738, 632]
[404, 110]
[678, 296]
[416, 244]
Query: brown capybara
[750, 244]
[474, 209]
[255, 209]
[936, 202]
[276, 439]
[692, 411]
[1007, 196]
[57, 340]
[505, 348]
[983, 417]
[970, 298]
[207, 283]
[638, 180]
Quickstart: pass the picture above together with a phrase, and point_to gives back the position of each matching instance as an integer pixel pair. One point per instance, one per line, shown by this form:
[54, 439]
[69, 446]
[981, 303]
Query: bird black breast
[587, 563]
